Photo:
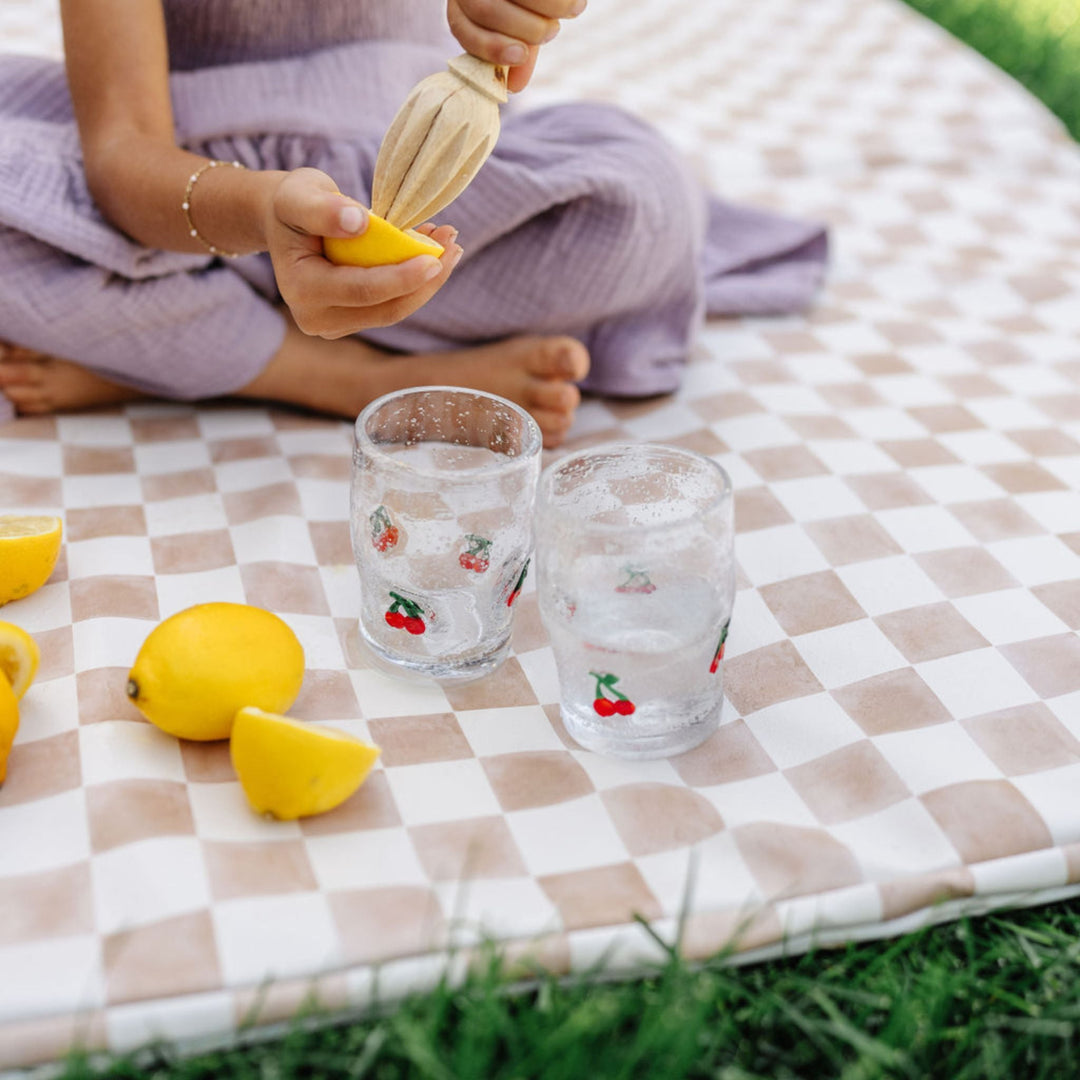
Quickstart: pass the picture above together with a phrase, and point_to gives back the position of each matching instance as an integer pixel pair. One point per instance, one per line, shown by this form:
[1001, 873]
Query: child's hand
[509, 32]
[334, 301]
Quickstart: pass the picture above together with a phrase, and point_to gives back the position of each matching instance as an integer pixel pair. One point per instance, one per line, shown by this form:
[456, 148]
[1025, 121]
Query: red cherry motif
[475, 556]
[602, 704]
[387, 539]
[515, 592]
[384, 534]
[637, 581]
[410, 619]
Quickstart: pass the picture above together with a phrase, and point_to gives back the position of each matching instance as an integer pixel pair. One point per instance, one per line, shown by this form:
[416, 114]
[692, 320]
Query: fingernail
[553, 33]
[578, 8]
[515, 54]
[351, 219]
[434, 267]
[457, 258]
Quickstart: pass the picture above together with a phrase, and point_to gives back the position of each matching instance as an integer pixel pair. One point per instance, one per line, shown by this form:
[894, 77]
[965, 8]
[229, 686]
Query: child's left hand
[509, 32]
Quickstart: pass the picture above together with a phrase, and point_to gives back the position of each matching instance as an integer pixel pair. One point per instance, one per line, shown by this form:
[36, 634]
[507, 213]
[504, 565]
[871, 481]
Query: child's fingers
[519, 75]
[340, 300]
[556, 9]
[441, 234]
[500, 33]
[367, 287]
[514, 21]
[308, 201]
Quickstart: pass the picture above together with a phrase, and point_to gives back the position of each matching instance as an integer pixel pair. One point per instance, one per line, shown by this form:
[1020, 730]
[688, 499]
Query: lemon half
[29, 548]
[19, 657]
[9, 723]
[291, 769]
[380, 244]
[199, 666]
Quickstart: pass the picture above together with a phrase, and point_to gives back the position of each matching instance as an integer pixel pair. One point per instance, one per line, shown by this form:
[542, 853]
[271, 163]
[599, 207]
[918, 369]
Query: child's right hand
[509, 32]
[334, 301]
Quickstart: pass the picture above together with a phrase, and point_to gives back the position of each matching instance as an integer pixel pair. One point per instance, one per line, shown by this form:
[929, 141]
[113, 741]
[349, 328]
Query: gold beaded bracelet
[193, 179]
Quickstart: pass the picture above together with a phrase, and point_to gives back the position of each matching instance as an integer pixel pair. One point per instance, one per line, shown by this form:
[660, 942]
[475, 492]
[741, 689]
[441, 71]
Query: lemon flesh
[290, 769]
[199, 666]
[9, 723]
[19, 657]
[29, 548]
[380, 244]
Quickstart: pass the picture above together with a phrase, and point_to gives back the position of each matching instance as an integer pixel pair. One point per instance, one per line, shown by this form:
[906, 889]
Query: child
[587, 257]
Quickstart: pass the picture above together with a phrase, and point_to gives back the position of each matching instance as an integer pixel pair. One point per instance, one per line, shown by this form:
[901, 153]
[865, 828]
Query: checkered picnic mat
[903, 674]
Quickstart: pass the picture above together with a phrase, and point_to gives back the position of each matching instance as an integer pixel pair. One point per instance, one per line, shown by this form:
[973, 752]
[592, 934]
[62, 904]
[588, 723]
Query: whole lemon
[201, 665]
[29, 547]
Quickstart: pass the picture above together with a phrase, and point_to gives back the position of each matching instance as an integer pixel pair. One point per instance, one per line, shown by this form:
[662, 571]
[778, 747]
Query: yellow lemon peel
[290, 769]
[29, 548]
[380, 244]
[19, 657]
[9, 723]
[199, 666]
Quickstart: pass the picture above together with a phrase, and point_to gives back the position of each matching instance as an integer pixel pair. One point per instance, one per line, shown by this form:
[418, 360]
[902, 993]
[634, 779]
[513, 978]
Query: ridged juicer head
[437, 142]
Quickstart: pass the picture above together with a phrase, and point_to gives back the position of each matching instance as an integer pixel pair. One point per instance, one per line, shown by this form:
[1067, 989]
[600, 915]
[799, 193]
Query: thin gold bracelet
[193, 179]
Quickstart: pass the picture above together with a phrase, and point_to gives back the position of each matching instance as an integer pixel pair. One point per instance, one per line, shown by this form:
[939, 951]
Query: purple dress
[582, 222]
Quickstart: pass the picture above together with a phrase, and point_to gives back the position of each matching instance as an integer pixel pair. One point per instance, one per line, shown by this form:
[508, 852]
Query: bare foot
[37, 384]
[341, 377]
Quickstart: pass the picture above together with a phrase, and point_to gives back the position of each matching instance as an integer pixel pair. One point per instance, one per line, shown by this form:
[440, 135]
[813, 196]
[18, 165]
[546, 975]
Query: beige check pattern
[903, 673]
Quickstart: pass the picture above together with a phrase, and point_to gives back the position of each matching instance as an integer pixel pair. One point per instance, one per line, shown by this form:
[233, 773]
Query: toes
[561, 358]
[554, 396]
[18, 373]
[17, 354]
[553, 426]
[27, 399]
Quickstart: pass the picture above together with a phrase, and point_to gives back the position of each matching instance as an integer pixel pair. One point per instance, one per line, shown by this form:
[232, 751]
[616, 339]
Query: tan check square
[236, 869]
[92, 523]
[42, 768]
[125, 811]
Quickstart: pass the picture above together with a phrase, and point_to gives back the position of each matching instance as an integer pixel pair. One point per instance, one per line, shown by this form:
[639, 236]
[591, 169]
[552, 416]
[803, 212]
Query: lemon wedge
[29, 548]
[19, 657]
[290, 769]
[9, 723]
[380, 244]
[199, 666]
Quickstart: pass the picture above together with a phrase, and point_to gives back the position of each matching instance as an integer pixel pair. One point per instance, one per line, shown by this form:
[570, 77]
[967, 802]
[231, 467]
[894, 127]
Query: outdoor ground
[993, 997]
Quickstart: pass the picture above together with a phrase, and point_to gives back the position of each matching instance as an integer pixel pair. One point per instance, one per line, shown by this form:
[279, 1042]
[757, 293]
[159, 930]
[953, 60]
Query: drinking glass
[443, 485]
[636, 584]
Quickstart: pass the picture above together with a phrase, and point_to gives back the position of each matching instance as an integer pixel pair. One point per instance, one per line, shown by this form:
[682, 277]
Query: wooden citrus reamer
[437, 142]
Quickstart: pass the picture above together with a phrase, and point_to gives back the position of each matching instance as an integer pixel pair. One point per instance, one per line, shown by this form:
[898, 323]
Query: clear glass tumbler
[636, 582]
[443, 485]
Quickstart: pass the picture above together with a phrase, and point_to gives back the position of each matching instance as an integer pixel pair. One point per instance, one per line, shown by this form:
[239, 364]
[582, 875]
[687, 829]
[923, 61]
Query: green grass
[977, 999]
[993, 997]
[1035, 41]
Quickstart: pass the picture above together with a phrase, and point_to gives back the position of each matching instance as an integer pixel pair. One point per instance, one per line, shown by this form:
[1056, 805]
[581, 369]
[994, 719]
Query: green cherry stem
[414, 611]
[608, 681]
